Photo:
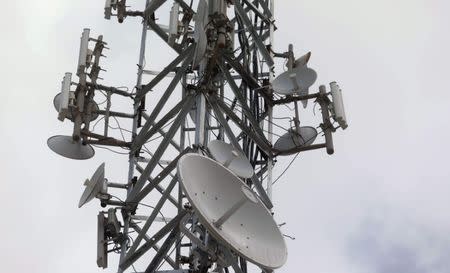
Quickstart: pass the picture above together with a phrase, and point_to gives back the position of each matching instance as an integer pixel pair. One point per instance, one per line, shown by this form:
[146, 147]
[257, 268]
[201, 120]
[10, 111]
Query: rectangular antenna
[65, 93]
[84, 46]
[109, 4]
[173, 23]
[102, 243]
[338, 105]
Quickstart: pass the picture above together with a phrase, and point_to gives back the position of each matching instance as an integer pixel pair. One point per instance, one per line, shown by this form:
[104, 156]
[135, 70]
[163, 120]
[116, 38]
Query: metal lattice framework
[224, 67]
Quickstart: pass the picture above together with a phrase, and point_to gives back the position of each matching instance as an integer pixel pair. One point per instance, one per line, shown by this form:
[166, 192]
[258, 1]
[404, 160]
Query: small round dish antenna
[57, 99]
[95, 187]
[67, 147]
[231, 211]
[305, 136]
[302, 76]
[303, 60]
[231, 158]
[57, 102]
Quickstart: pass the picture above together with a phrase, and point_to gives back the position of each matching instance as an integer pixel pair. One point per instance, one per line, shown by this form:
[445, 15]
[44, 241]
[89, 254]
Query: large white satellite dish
[57, 102]
[293, 139]
[231, 158]
[94, 186]
[231, 211]
[67, 147]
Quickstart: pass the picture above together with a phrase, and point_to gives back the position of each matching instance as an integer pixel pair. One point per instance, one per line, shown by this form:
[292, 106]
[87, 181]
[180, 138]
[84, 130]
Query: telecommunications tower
[203, 137]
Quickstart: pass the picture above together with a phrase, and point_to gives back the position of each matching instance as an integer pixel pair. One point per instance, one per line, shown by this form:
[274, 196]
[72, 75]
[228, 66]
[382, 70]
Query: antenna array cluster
[217, 188]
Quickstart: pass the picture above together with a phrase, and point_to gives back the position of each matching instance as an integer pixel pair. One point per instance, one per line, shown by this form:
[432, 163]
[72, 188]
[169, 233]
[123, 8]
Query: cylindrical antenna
[338, 105]
[84, 46]
[65, 95]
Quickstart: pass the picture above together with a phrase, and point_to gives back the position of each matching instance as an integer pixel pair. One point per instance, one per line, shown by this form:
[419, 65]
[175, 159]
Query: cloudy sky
[378, 205]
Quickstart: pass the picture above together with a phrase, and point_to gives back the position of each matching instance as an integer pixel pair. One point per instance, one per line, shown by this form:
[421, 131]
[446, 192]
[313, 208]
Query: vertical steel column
[180, 189]
[270, 108]
[131, 161]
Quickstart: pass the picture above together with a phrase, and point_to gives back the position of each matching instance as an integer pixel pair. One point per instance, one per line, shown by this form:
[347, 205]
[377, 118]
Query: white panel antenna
[63, 107]
[102, 242]
[84, 47]
[173, 23]
[109, 5]
[338, 105]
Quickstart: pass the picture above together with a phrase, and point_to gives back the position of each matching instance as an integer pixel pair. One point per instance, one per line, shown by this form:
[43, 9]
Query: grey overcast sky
[379, 205]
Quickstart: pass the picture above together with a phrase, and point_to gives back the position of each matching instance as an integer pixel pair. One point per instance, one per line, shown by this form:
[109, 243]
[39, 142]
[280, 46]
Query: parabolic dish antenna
[304, 76]
[231, 211]
[200, 48]
[57, 102]
[303, 60]
[199, 32]
[97, 184]
[231, 158]
[67, 147]
[292, 139]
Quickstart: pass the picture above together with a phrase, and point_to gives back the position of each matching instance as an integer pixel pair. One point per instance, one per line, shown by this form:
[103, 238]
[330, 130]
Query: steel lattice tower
[224, 67]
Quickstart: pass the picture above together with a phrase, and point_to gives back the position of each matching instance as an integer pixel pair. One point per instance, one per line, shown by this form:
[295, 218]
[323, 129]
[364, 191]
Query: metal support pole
[326, 126]
[107, 112]
[270, 107]
[136, 106]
